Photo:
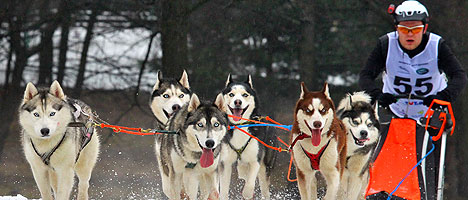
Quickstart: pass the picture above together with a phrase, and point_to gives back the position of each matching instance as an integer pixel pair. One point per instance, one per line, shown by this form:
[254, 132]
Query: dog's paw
[248, 192]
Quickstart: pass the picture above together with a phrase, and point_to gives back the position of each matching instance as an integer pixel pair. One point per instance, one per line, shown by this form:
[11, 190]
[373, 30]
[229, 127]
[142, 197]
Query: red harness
[314, 158]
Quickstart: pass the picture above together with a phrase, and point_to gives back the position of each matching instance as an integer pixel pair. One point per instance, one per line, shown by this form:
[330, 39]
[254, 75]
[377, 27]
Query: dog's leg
[343, 189]
[307, 184]
[228, 157]
[84, 167]
[332, 177]
[53, 180]
[65, 177]
[264, 182]
[354, 186]
[208, 189]
[248, 191]
[191, 181]
[42, 180]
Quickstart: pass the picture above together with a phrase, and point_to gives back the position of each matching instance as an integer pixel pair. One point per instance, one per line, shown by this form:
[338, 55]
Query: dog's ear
[350, 101]
[304, 90]
[159, 76]
[376, 109]
[30, 92]
[194, 103]
[229, 79]
[325, 90]
[219, 102]
[184, 80]
[249, 81]
[56, 90]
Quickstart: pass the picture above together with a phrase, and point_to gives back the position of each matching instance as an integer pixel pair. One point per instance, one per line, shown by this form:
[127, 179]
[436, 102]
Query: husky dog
[253, 159]
[168, 96]
[362, 125]
[189, 159]
[54, 148]
[318, 142]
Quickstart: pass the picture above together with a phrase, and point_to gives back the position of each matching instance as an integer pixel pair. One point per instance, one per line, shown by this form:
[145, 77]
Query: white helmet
[411, 11]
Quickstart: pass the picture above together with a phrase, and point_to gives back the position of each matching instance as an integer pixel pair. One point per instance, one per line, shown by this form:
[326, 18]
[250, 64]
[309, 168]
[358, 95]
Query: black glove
[385, 99]
[428, 100]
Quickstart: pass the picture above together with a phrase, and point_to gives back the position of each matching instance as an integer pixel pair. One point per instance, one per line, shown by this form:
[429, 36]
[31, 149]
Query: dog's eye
[181, 96]
[166, 96]
[245, 95]
[231, 94]
[52, 114]
[308, 111]
[36, 114]
[216, 124]
[200, 124]
[323, 110]
[369, 125]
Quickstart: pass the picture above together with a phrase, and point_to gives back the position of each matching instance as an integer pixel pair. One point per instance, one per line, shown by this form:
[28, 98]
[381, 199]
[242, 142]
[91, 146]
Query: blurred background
[107, 54]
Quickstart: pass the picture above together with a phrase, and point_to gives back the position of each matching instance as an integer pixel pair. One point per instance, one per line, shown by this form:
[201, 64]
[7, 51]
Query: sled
[395, 173]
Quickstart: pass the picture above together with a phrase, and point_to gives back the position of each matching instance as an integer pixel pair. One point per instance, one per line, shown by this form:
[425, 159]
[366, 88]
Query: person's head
[411, 18]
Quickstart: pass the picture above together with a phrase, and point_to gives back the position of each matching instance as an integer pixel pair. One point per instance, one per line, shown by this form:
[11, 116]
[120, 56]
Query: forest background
[107, 54]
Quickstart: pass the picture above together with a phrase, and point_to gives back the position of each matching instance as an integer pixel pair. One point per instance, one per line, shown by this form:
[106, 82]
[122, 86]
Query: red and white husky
[318, 141]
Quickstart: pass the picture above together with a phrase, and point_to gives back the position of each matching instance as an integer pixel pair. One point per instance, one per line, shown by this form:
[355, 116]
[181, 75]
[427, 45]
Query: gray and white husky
[168, 96]
[362, 125]
[189, 159]
[253, 159]
[54, 148]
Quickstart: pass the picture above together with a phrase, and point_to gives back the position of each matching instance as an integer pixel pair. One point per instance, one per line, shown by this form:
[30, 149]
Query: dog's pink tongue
[206, 158]
[238, 113]
[316, 136]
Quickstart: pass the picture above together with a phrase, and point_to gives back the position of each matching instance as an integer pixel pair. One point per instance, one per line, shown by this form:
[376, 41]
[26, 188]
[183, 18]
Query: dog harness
[241, 150]
[315, 158]
[46, 156]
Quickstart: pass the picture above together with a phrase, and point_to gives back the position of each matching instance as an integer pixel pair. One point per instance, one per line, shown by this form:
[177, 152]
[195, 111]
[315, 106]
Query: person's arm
[449, 64]
[374, 66]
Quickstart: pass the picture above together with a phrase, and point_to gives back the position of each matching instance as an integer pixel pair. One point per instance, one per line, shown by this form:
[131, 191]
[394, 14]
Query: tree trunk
[66, 21]
[307, 44]
[46, 52]
[84, 54]
[174, 29]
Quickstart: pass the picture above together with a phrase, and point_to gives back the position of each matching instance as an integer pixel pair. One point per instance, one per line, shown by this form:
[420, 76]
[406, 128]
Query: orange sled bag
[396, 158]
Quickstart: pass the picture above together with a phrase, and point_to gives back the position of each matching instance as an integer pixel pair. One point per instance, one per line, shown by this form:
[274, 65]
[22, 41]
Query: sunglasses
[414, 29]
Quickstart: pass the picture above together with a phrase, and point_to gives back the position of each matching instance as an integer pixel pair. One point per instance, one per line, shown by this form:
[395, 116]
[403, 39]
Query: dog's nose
[210, 143]
[363, 134]
[237, 102]
[45, 131]
[175, 107]
[317, 124]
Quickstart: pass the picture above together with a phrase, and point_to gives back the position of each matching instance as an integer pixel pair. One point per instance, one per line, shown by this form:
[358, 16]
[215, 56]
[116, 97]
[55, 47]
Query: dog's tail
[347, 102]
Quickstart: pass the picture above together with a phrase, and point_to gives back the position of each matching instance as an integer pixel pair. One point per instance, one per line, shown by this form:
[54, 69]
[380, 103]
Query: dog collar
[300, 137]
[315, 158]
[190, 165]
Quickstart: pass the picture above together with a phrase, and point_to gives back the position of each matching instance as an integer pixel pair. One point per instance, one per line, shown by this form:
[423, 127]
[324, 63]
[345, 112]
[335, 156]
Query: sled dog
[362, 126]
[253, 159]
[318, 142]
[168, 96]
[189, 159]
[54, 148]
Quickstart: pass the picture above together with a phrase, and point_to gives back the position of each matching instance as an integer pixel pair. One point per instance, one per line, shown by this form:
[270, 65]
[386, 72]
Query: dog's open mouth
[238, 112]
[359, 141]
[207, 157]
[316, 134]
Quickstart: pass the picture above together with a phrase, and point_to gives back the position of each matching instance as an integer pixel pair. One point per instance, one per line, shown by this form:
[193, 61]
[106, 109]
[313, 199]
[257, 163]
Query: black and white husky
[188, 160]
[362, 125]
[168, 96]
[54, 148]
[253, 159]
